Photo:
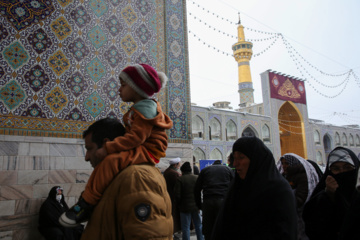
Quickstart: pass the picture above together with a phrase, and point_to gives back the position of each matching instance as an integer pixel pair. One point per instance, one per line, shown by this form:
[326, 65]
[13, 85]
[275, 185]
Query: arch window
[351, 140]
[231, 131]
[317, 137]
[357, 140]
[319, 159]
[197, 128]
[248, 132]
[215, 130]
[344, 139]
[265, 133]
[216, 154]
[337, 138]
[199, 155]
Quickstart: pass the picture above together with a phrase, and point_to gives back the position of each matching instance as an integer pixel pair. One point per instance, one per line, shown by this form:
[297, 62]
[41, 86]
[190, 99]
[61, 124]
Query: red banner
[286, 88]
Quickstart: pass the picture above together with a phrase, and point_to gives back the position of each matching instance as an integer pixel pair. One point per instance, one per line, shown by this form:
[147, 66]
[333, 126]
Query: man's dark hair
[104, 128]
[217, 162]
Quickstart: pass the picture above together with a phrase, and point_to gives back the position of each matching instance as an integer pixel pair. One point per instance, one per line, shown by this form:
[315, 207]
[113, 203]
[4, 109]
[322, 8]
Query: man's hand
[101, 153]
[331, 185]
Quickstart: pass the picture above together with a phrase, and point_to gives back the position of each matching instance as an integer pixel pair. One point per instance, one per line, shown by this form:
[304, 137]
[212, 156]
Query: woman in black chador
[260, 203]
[333, 210]
[49, 214]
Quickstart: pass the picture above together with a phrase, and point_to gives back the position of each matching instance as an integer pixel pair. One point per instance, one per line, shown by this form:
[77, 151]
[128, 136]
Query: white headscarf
[311, 174]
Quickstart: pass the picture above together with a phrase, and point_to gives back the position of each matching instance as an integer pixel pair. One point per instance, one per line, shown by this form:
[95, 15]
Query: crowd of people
[253, 197]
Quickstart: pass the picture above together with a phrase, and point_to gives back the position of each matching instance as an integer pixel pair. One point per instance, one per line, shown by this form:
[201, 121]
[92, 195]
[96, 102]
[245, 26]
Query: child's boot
[77, 214]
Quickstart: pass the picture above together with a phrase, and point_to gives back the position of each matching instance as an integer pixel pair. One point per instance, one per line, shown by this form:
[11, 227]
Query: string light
[298, 63]
[228, 54]
[227, 20]
[299, 133]
[210, 46]
[296, 57]
[267, 48]
[275, 35]
[357, 80]
[293, 57]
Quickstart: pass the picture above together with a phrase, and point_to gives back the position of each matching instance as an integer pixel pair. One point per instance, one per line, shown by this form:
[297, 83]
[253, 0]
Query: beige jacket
[120, 213]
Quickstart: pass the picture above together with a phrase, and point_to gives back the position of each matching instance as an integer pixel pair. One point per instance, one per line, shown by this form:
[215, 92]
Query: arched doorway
[291, 129]
[327, 145]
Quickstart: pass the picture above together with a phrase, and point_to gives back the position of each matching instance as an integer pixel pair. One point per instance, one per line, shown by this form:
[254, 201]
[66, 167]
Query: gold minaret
[242, 53]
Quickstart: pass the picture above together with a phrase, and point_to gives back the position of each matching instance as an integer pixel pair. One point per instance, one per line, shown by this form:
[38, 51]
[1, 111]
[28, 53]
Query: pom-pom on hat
[143, 79]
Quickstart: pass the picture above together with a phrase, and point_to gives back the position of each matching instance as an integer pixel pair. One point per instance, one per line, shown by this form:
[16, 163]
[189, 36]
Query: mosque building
[281, 121]
[59, 67]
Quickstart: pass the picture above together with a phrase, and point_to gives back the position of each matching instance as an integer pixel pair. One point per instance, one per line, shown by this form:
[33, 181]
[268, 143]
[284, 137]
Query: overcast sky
[323, 36]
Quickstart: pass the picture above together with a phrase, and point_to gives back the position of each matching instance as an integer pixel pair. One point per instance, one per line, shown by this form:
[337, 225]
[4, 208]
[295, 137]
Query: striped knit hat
[143, 79]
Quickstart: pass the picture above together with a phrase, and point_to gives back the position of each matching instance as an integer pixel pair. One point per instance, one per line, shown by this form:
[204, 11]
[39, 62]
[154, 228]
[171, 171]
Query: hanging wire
[210, 46]
[311, 65]
[344, 118]
[291, 50]
[229, 54]
[291, 126]
[357, 80]
[226, 19]
[274, 35]
[268, 47]
[299, 133]
[293, 57]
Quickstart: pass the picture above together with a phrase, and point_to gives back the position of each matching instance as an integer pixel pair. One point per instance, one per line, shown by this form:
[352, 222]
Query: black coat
[184, 192]
[213, 181]
[296, 176]
[49, 214]
[171, 176]
[328, 219]
[261, 206]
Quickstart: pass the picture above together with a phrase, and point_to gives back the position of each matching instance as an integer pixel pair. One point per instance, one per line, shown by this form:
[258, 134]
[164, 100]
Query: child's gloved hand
[101, 153]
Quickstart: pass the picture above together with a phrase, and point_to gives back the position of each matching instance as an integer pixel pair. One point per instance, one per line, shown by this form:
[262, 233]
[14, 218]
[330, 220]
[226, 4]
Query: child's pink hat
[143, 79]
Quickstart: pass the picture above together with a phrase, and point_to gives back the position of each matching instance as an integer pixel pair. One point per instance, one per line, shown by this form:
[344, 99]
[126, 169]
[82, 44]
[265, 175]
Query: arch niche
[291, 129]
[327, 145]
[249, 131]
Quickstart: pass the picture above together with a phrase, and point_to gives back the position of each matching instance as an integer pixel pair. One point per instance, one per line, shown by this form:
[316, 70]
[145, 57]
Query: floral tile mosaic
[60, 61]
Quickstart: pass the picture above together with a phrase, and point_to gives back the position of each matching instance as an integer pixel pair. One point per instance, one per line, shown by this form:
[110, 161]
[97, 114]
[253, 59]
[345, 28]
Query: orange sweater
[150, 133]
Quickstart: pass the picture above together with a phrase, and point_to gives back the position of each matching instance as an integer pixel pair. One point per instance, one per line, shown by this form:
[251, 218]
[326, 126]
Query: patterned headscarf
[340, 155]
[291, 160]
[311, 174]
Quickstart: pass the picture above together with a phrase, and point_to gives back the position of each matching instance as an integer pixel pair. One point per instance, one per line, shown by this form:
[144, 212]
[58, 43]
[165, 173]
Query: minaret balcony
[242, 56]
[242, 46]
[243, 52]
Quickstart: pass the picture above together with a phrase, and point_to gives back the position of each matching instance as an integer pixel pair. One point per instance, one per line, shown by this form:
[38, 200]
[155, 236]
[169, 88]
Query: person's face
[127, 93]
[241, 164]
[91, 148]
[340, 167]
[285, 165]
[59, 191]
